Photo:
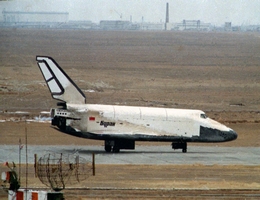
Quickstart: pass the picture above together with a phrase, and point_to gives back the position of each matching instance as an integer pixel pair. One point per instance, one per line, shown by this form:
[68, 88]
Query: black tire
[116, 149]
[108, 148]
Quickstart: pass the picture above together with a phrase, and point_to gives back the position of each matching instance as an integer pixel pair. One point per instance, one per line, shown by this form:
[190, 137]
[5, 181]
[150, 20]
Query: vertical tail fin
[59, 83]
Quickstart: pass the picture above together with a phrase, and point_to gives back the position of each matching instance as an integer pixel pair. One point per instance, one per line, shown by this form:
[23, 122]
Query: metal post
[35, 165]
[20, 146]
[93, 165]
[26, 185]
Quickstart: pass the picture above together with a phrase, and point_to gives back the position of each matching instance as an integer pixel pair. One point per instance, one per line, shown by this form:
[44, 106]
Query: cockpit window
[203, 116]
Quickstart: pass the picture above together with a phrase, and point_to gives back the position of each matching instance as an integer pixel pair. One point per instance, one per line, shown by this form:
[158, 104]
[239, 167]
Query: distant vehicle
[121, 126]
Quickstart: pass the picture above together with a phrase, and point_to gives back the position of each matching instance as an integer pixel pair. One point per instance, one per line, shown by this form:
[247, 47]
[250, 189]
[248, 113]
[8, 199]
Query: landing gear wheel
[108, 148]
[180, 145]
[116, 149]
[184, 149]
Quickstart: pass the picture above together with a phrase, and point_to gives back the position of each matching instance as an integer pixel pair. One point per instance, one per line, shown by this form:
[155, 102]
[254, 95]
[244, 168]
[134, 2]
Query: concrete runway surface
[209, 155]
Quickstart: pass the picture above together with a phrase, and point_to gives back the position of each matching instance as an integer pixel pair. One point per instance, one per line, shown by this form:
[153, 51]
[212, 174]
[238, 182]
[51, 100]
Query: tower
[167, 24]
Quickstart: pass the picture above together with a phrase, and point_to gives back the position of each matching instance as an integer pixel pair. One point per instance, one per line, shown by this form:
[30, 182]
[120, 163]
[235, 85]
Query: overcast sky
[216, 12]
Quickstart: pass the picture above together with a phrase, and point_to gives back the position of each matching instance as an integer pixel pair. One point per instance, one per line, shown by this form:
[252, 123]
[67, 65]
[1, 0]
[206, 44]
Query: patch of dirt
[159, 181]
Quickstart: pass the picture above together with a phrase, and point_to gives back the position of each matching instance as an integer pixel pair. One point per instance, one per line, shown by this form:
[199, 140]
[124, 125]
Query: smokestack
[167, 24]
[167, 13]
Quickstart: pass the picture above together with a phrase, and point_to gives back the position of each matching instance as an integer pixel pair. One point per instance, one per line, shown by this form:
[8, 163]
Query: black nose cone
[216, 135]
[228, 135]
[233, 135]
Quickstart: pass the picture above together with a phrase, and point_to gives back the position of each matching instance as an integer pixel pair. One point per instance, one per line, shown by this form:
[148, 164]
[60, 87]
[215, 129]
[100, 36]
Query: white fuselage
[130, 120]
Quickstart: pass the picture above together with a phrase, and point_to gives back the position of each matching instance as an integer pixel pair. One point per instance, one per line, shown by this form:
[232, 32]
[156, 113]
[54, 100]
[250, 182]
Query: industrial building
[192, 25]
[115, 25]
[35, 17]
[61, 20]
[152, 26]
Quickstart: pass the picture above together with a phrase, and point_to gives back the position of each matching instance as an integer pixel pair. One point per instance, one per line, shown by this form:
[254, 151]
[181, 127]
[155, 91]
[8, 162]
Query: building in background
[192, 25]
[115, 25]
[35, 17]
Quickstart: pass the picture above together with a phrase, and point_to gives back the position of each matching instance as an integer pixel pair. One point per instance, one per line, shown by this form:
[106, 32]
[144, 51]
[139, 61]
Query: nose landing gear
[180, 145]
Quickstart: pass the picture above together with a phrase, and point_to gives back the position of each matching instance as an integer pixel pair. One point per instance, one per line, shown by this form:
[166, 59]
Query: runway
[155, 155]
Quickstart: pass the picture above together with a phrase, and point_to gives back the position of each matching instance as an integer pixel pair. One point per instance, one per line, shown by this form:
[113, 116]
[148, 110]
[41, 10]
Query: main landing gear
[116, 145]
[111, 145]
[180, 145]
